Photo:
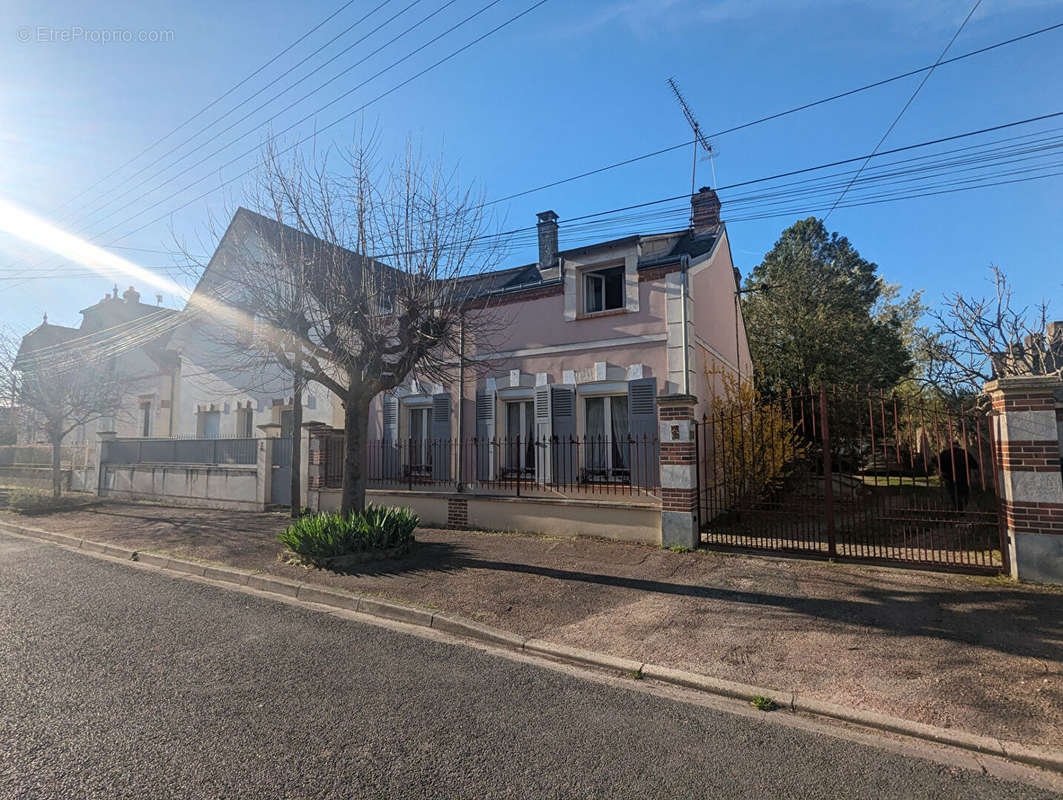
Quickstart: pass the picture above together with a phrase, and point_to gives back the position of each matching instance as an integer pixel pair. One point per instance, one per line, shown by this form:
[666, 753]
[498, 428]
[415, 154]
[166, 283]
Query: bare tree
[977, 339]
[356, 277]
[62, 388]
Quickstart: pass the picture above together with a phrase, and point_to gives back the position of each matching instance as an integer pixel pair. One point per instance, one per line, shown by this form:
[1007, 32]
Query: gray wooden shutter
[563, 461]
[439, 434]
[389, 445]
[485, 434]
[544, 428]
[643, 455]
[390, 405]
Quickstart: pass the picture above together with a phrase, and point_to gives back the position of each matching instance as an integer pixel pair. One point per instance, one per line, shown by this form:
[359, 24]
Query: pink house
[592, 336]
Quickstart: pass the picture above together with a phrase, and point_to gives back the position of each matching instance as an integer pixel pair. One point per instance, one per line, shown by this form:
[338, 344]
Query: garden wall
[621, 519]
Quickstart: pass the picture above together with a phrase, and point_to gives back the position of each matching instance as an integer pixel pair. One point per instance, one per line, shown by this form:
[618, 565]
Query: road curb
[460, 627]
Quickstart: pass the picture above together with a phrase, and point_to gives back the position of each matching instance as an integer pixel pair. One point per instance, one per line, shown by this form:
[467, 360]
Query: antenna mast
[699, 137]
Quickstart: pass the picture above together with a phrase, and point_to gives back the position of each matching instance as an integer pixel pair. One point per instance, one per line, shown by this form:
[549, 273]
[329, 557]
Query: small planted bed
[331, 540]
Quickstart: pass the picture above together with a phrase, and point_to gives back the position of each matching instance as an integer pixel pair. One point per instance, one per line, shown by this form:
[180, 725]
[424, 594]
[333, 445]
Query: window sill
[595, 314]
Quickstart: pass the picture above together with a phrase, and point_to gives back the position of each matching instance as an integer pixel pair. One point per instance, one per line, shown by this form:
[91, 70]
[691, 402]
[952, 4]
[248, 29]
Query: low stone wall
[621, 519]
[238, 488]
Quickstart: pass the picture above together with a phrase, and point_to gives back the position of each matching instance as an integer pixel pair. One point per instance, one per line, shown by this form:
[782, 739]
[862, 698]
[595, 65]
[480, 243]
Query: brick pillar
[679, 493]
[1031, 481]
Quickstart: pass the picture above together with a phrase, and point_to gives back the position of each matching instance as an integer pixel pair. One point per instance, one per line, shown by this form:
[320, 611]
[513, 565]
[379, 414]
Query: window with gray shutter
[642, 426]
[564, 447]
[439, 436]
[485, 434]
[388, 457]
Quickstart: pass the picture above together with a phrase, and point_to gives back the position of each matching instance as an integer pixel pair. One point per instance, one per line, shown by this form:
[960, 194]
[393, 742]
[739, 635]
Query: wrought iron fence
[180, 451]
[551, 466]
[853, 472]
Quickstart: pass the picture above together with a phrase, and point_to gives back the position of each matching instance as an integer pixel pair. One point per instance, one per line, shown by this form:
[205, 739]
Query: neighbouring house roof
[44, 335]
[108, 319]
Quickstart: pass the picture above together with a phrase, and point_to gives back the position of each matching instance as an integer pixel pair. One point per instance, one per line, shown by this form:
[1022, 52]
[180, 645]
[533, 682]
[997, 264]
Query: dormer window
[603, 290]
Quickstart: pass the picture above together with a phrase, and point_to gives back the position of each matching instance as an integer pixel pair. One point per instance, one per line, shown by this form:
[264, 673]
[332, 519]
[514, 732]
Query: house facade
[591, 337]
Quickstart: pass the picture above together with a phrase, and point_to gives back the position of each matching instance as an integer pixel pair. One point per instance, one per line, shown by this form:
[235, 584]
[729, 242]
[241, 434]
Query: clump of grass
[636, 674]
[317, 539]
[678, 548]
[39, 501]
[762, 703]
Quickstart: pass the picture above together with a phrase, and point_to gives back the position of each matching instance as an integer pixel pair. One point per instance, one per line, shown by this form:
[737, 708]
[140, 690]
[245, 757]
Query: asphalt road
[121, 682]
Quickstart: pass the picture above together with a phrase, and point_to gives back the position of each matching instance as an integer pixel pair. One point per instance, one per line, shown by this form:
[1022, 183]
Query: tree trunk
[57, 472]
[297, 441]
[355, 429]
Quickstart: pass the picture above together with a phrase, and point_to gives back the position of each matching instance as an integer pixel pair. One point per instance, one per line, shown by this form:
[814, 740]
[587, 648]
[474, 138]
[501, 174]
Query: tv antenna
[700, 141]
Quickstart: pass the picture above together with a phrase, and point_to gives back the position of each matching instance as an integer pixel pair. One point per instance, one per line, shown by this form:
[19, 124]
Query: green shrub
[319, 538]
[762, 703]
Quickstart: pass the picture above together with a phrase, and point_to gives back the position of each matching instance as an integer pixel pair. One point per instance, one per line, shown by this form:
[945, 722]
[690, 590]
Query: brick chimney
[704, 211]
[547, 240]
[131, 295]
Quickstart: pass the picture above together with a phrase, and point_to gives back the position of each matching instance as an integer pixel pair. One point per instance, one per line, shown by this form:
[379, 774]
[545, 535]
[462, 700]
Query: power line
[608, 167]
[256, 148]
[262, 105]
[335, 122]
[911, 99]
[212, 103]
[777, 115]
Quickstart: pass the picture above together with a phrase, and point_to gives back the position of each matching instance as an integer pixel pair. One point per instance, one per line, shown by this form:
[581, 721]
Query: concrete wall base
[221, 487]
[621, 520]
[679, 529]
[1037, 557]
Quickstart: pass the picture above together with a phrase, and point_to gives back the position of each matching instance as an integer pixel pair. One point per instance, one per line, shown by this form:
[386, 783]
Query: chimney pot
[704, 211]
[547, 240]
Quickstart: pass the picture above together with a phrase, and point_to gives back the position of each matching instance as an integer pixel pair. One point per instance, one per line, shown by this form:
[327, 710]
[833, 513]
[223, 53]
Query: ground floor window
[145, 418]
[520, 438]
[605, 448]
[420, 444]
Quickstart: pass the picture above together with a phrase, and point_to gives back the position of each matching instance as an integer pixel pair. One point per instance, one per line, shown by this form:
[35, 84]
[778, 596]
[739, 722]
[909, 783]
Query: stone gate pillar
[679, 492]
[1031, 481]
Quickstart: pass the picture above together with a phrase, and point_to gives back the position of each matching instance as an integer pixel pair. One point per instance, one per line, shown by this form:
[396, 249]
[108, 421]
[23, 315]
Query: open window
[603, 290]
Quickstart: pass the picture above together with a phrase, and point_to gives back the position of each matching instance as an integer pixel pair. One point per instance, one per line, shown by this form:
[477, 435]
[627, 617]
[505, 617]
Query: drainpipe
[685, 261]
[461, 402]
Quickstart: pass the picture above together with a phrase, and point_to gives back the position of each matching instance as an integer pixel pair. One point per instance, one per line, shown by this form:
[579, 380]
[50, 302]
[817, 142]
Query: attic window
[603, 290]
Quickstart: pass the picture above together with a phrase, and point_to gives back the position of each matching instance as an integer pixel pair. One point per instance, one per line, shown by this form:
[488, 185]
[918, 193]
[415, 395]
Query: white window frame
[144, 420]
[607, 397]
[425, 412]
[527, 414]
[594, 276]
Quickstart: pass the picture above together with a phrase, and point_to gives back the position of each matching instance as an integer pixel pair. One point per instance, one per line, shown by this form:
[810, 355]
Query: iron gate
[280, 482]
[853, 474]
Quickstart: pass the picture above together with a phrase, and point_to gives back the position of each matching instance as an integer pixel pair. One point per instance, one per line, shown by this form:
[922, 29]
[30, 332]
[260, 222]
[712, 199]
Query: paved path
[120, 682]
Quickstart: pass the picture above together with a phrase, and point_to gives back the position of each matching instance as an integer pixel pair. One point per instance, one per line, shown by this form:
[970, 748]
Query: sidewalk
[977, 654]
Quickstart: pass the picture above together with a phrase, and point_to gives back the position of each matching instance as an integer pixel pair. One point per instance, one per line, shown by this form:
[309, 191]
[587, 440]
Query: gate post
[1026, 430]
[679, 488]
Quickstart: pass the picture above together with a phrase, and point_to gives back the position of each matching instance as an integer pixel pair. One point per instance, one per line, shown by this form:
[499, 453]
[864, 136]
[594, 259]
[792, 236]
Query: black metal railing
[547, 466]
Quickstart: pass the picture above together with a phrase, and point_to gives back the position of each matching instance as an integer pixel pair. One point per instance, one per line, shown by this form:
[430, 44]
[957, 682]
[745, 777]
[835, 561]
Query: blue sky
[570, 87]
